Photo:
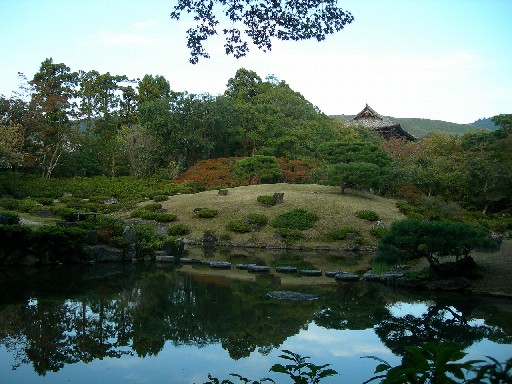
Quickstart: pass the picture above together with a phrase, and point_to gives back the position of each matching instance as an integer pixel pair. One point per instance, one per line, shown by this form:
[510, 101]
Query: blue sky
[437, 59]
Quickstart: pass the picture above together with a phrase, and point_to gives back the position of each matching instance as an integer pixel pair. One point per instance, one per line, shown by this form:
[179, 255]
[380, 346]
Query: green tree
[152, 88]
[48, 119]
[358, 175]
[261, 21]
[412, 239]
[258, 169]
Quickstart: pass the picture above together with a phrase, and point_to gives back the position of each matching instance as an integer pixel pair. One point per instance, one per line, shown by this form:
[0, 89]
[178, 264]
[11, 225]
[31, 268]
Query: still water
[149, 324]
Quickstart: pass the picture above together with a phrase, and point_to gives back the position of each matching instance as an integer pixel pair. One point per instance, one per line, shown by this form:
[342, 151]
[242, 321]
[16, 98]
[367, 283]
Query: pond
[129, 323]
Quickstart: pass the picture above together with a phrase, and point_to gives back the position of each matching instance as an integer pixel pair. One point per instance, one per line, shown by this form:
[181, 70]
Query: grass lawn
[334, 211]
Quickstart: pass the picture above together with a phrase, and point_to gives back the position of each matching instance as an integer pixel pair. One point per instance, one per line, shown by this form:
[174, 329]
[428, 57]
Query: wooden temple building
[370, 119]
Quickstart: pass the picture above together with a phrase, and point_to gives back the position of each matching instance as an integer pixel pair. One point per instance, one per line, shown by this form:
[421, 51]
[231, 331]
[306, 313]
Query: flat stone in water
[289, 295]
[220, 265]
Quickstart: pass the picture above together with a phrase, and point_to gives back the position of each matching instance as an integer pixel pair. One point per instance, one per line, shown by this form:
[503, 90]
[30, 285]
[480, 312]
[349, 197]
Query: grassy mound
[334, 212]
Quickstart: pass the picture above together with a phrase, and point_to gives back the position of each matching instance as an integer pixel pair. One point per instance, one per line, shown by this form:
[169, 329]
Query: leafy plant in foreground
[299, 370]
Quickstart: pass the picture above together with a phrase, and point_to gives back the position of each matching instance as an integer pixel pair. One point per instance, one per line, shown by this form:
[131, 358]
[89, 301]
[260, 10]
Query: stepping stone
[258, 269]
[346, 277]
[220, 265]
[311, 272]
[164, 259]
[286, 269]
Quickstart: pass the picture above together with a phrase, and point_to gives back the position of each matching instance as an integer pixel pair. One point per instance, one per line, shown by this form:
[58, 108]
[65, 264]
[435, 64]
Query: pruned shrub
[28, 206]
[367, 215]
[378, 232]
[257, 219]
[296, 219]
[238, 226]
[154, 207]
[207, 213]
[341, 233]
[288, 235]
[258, 169]
[9, 204]
[157, 216]
[65, 213]
[159, 198]
[178, 230]
[9, 218]
[266, 200]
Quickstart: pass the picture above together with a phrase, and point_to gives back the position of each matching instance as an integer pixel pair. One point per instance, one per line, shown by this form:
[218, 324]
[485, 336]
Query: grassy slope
[333, 209]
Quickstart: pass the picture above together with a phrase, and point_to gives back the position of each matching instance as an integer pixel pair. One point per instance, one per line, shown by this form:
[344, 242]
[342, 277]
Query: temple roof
[370, 119]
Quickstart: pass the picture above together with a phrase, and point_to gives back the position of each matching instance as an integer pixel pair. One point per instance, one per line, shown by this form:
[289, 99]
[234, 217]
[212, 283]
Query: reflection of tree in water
[121, 313]
[441, 322]
[353, 306]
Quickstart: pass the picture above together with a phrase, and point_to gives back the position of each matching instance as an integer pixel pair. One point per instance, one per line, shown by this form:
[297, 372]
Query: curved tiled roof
[370, 119]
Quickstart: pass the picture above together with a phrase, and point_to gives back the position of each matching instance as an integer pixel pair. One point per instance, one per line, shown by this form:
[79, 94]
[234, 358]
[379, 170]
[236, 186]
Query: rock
[223, 192]
[346, 277]
[449, 284]
[220, 265]
[333, 273]
[103, 253]
[289, 295]
[286, 269]
[67, 194]
[188, 260]
[351, 236]
[378, 224]
[164, 259]
[111, 201]
[44, 213]
[382, 276]
[258, 269]
[92, 238]
[244, 266]
[277, 198]
[311, 272]
[130, 234]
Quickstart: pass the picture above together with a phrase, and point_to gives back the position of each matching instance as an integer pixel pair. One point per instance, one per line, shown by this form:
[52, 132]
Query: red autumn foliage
[218, 173]
[295, 171]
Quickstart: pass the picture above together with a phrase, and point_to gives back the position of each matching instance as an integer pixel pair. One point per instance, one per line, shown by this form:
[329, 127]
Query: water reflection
[55, 317]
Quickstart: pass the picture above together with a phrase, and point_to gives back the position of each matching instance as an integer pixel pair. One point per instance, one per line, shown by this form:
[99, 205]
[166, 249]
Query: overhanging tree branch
[261, 21]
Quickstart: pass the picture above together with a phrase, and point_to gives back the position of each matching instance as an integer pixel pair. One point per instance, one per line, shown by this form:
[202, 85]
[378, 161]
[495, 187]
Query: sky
[445, 60]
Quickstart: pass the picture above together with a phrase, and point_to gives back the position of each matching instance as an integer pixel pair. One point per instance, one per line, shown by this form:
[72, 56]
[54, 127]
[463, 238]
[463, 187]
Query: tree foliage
[259, 21]
[412, 239]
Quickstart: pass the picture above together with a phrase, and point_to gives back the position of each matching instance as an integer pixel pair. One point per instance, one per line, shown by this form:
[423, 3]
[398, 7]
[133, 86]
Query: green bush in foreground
[178, 230]
[207, 213]
[258, 219]
[341, 234]
[296, 219]
[266, 200]
[238, 226]
[367, 215]
[289, 236]
[150, 215]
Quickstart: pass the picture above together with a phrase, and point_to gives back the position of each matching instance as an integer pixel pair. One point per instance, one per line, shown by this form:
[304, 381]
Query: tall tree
[261, 21]
[51, 106]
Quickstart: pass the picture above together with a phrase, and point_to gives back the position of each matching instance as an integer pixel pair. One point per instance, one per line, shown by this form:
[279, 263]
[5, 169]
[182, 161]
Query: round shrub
[149, 215]
[67, 214]
[178, 230]
[289, 236]
[258, 219]
[9, 204]
[368, 215]
[9, 218]
[238, 226]
[266, 200]
[296, 219]
[340, 234]
[378, 232]
[159, 198]
[28, 205]
[154, 207]
[207, 213]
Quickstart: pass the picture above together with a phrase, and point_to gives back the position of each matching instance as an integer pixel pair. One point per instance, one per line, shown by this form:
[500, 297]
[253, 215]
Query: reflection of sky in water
[342, 349]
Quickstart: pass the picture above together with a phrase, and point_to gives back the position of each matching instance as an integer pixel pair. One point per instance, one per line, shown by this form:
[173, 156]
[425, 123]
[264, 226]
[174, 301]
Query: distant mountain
[421, 127]
[486, 122]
